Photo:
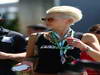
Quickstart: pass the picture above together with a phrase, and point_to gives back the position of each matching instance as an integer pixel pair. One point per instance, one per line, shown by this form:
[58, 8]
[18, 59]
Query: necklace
[55, 39]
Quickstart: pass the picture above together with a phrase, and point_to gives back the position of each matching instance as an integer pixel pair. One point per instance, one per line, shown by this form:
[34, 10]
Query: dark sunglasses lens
[97, 32]
[50, 19]
[43, 19]
[47, 19]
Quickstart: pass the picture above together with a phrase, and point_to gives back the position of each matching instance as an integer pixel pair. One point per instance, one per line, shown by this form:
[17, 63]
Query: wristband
[85, 49]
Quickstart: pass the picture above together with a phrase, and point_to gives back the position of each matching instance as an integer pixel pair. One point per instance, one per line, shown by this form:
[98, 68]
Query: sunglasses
[48, 19]
[97, 32]
[51, 19]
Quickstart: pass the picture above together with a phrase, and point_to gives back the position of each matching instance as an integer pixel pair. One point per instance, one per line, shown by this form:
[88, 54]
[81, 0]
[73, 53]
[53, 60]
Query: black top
[49, 56]
[10, 42]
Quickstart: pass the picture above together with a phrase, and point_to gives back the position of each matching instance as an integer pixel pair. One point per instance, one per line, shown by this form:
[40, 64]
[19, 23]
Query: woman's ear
[69, 21]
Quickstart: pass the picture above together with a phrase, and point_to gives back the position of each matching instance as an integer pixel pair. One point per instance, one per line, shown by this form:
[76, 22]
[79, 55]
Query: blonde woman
[49, 51]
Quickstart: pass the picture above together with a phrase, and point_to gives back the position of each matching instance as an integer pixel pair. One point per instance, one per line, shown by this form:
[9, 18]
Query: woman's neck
[62, 31]
[98, 38]
[99, 41]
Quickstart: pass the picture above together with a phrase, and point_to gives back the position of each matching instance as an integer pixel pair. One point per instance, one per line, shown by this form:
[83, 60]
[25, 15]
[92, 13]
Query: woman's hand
[77, 43]
[29, 63]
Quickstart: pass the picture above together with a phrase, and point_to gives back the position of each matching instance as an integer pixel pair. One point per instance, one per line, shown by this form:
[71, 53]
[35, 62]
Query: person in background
[95, 29]
[12, 50]
[35, 29]
[50, 53]
[93, 56]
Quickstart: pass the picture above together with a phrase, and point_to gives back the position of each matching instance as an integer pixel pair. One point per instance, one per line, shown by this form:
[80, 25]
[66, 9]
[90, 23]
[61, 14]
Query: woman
[95, 29]
[93, 55]
[50, 49]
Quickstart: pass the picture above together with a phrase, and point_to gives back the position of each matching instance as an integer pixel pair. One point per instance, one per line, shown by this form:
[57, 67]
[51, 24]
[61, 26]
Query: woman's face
[97, 33]
[55, 20]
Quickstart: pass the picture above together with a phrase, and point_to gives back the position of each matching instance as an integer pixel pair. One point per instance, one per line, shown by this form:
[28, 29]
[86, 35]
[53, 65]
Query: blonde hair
[70, 11]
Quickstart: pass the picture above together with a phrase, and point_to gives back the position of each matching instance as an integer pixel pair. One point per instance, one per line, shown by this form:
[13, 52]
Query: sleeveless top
[49, 57]
[85, 56]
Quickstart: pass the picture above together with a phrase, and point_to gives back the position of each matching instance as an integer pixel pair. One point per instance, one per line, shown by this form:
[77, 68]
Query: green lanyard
[60, 43]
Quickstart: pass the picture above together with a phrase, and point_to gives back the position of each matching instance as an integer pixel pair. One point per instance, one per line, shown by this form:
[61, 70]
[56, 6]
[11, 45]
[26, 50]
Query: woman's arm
[31, 47]
[91, 51]
[31, 52]
[94, 54]
[91, 40]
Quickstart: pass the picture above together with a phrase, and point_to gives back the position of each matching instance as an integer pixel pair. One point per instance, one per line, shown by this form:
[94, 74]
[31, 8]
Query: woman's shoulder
[88, 37]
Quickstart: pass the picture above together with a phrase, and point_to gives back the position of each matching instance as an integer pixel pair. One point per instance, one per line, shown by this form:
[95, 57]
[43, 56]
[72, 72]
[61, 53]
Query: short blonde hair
[70, 11]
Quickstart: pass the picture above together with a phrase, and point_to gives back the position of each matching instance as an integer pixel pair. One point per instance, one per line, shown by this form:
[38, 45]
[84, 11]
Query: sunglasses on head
[48, 19]
[97, 32]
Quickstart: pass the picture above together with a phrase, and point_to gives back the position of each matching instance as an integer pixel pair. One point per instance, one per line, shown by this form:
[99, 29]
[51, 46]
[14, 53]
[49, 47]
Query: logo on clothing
[48, 46]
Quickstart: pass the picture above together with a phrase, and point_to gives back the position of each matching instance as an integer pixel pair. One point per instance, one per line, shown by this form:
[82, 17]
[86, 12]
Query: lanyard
[60, 43]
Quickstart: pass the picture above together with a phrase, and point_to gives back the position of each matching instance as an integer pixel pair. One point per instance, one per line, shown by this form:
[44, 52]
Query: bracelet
[85, 49]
